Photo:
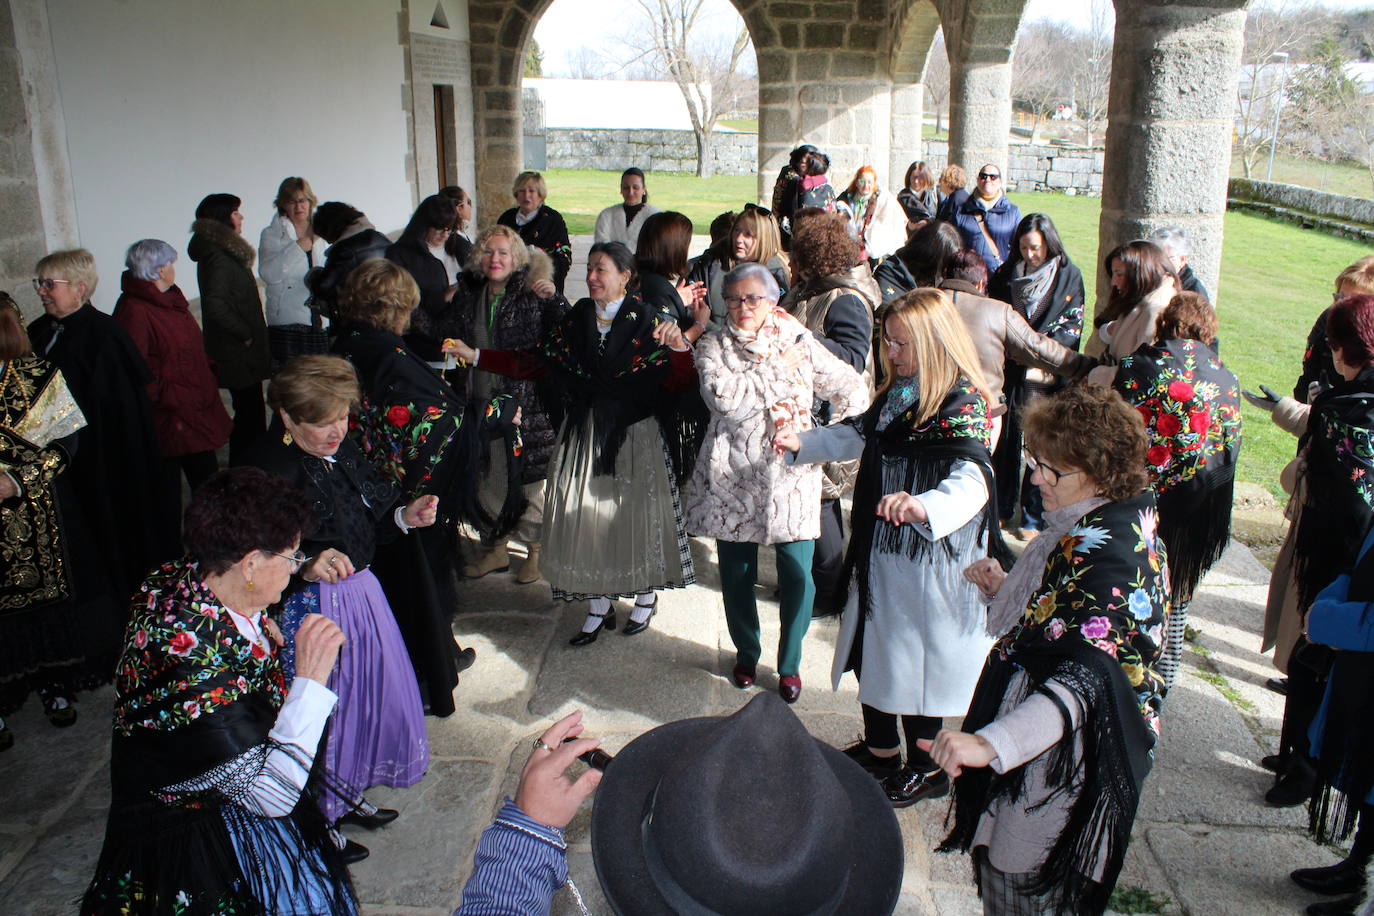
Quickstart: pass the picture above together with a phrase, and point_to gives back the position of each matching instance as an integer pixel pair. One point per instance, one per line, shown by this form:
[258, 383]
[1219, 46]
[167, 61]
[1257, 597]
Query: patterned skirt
[377, 733]
[615, 535]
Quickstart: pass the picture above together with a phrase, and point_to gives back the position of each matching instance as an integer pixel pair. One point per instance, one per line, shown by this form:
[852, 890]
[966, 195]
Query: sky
[572, 24]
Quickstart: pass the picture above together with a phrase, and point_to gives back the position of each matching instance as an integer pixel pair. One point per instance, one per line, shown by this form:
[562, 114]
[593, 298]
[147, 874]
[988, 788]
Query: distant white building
[612, 104]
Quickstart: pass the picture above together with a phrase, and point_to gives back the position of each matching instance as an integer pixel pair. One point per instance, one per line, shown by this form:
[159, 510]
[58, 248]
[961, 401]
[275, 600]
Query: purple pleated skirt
[377, 733]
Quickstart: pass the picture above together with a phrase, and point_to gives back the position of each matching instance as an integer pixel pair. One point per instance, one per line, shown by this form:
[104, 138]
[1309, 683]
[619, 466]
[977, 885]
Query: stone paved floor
[1203, 838]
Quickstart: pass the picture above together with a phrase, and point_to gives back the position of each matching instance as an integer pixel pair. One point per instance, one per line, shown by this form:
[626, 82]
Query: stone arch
[914, 26]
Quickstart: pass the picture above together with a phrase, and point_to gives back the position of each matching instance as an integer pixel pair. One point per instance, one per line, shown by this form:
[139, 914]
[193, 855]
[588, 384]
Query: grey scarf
[1009, 603]
[1030, 293]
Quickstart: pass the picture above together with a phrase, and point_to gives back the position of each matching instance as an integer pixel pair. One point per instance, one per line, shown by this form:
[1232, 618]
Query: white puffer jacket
[282, 265]
[741, 489]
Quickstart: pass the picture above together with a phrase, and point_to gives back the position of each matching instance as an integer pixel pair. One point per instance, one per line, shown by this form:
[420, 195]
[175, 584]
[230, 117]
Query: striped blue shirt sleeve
[518, 866]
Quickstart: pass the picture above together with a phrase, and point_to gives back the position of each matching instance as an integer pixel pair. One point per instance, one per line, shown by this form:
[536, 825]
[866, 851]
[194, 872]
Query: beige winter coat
[1122, 337]
[741, 489]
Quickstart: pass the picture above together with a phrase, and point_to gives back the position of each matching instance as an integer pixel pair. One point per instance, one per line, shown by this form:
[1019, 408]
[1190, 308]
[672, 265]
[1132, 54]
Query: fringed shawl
[1190, 403]
[1095, 626]
[906, 457]
[1339, 445]
[617, 379]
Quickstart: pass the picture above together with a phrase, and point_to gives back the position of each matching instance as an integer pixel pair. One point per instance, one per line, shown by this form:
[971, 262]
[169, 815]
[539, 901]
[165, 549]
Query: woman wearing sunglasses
[377, 736]
[753, 239]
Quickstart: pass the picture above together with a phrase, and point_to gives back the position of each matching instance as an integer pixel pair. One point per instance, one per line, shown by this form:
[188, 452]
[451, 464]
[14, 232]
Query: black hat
[796, 155]
[743, 814]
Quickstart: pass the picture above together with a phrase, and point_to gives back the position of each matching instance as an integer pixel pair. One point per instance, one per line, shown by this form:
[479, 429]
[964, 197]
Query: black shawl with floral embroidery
[194, 706]
[617, 379]
[1190, 403]
[1095, 624]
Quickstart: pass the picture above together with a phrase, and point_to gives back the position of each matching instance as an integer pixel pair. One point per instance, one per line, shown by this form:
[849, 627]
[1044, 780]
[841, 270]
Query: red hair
[863, 170]
[1350, 329]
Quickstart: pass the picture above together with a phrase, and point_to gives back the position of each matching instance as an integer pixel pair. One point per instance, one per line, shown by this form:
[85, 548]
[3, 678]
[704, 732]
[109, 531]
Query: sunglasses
[988, 176]
[757, 209]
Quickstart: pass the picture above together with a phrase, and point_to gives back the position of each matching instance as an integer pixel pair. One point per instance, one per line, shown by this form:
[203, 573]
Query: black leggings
[880, 731]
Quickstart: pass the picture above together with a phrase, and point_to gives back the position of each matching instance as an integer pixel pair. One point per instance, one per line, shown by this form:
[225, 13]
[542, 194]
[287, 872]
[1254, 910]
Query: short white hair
[752, 270]
[146, 257]
[1174, 241]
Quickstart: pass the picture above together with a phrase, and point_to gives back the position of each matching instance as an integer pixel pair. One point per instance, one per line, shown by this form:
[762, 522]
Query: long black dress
[116, 471]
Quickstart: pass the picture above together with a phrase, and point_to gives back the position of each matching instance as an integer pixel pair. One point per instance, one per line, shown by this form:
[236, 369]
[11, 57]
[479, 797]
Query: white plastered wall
[166, 101]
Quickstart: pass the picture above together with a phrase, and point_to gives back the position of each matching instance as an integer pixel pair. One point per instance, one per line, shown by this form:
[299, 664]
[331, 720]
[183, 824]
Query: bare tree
[1090, 61]
[704, 74]
[1274, 34]
[1041, 75]
[585, 63]
[936, 79]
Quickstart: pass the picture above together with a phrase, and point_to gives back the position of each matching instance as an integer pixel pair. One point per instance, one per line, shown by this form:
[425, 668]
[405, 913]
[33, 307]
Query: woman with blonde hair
[539, 226]
[876, 218]
[288, 249]
[754, 238]
[912, 629]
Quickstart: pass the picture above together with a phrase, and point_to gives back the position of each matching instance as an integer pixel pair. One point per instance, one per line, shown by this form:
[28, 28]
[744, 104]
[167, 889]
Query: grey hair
[752, 270]
[147, 257]
[1174, 241]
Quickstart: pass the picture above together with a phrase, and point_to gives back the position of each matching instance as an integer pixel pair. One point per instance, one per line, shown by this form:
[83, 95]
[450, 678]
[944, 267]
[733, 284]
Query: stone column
[1169, 126]
[498, 32]
[908, 115]
[979, 106]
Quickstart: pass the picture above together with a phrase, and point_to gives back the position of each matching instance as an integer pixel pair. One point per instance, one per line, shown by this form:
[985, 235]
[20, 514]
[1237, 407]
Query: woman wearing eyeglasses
[753, 239]
[377, 737]
[760, 373]
[987, 220]
[912, 625]
[876, 218]
[1057, 742]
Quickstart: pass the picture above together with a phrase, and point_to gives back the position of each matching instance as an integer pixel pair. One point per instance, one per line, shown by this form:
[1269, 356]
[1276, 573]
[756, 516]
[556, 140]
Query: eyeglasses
[735, 302]
[297, 559]
[45, 285]
[1052, 475]
[988, 176]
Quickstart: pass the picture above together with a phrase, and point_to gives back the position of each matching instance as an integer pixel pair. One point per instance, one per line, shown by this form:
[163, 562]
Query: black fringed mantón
[1345, 764]
[194, 695]
[910, 458]
[1190, 403]
[1109, 776]
[1339, 510]
[617, 380]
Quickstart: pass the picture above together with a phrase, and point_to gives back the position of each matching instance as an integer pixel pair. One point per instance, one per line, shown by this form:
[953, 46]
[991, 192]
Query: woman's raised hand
[987, 574]
[330, 566]
[544, 288]
[421, 512]
[786, 441]
[671, 336]
[459, 351]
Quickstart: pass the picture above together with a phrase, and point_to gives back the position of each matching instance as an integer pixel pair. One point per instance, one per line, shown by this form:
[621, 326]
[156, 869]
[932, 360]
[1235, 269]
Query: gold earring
[248, 585]
[286, 438]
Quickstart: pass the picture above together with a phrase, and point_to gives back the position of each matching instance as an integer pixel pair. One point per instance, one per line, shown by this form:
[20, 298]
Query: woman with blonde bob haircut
[539, 226]
[912, 629]
[754, 238]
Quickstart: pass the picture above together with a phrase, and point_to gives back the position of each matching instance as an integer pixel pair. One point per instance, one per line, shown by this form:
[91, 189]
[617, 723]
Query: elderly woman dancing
[1067, 707]
[614, 519]
[378, 734]
[212, 748]
[759, 375]
[912, 625]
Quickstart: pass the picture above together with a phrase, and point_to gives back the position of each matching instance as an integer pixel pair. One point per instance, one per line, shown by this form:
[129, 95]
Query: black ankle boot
[1345, 877]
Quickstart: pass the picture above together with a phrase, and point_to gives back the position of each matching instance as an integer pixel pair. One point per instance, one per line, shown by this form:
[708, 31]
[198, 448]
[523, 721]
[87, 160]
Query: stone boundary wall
[1338, 214]
[652, 150]
[1032, 168]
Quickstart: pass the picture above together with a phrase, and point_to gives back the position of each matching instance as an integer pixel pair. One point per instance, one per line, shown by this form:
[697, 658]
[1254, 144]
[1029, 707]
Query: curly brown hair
[1188, 316]
[823, 248]
[1090, 429]
[379, 293]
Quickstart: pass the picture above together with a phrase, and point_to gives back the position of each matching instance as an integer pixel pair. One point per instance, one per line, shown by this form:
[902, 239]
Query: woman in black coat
[420, 250]
[662, 268]
[231, 314]
[1042, 284]
[540, 226]
[352, 240]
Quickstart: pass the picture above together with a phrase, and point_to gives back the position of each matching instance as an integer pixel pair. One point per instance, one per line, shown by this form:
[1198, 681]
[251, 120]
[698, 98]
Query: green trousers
[739, 569]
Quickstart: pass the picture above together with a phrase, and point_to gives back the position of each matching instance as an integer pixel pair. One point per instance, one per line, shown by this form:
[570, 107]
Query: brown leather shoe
[789, 688]
[743, 676]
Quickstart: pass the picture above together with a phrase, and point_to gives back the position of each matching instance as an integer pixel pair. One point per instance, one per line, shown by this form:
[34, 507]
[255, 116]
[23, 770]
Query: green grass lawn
[1275, 279]
[1352, 180]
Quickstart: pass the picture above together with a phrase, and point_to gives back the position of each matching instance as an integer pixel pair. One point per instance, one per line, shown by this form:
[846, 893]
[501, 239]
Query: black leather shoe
[59, 709]
[1274, 763]
[354, 852]
[1278, 684]
[906, 787]
[1292, 788]
[880, 767]
[586, 639]
[1344, 907]
[378, 818]
[463, 658]
[1345, 877]
[631, 627]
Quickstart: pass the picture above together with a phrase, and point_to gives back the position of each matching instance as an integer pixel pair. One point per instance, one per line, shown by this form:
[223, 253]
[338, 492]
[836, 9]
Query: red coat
[187, 411]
